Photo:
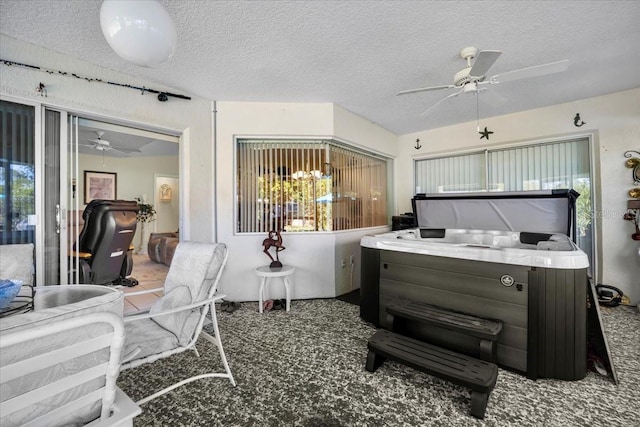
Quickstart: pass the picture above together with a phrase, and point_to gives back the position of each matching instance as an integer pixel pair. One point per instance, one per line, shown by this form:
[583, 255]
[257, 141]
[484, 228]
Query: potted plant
[146, 213]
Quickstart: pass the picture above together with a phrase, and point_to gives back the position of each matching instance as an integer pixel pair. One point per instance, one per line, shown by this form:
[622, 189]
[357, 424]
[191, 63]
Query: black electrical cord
[609, 296]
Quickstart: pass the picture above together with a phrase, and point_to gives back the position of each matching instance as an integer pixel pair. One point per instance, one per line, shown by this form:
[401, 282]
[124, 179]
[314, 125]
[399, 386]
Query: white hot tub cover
[549, 211]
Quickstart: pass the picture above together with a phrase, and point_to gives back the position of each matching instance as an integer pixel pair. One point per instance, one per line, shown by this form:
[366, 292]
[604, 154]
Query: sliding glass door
[31, 185]
[70, 200]
[52, 214]
[44, 154]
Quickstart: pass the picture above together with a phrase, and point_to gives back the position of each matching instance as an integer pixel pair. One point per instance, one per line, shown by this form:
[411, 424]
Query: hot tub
[534, 281]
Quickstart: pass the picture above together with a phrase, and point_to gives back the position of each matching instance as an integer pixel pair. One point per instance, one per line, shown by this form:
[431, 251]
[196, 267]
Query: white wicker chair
[175, 321]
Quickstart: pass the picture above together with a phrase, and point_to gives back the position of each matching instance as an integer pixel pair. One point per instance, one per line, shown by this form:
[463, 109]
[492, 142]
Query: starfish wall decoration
[485, 133]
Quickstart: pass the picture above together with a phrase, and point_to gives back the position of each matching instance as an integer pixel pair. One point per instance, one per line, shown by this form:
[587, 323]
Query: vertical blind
[277, 181]
[307, 185]
[540, 167]
[359, 191]
[17, 173]
[51, 197]
[459, 173]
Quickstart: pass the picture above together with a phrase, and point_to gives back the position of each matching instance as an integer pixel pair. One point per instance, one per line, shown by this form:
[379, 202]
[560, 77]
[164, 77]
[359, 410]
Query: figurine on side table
[274, 240]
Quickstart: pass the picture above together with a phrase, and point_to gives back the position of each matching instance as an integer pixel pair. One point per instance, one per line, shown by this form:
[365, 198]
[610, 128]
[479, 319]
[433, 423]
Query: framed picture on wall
[165, 193]
[100, 185]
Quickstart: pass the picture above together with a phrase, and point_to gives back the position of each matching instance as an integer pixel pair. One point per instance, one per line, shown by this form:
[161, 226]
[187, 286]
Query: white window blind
[540, 167]
[359, 190]
[308, 185]
[461, 173]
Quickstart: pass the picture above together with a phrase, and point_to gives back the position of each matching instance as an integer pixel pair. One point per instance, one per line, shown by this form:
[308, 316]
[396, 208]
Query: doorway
[126, 157]
[167, 195]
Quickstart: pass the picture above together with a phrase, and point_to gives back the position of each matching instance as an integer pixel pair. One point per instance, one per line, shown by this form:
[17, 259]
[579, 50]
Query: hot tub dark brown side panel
[557, 320]
[370, 285]
[544, 312]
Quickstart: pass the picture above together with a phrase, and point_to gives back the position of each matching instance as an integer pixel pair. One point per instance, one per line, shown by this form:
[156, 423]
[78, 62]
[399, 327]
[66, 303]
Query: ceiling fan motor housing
[469, 53]
[462, 77]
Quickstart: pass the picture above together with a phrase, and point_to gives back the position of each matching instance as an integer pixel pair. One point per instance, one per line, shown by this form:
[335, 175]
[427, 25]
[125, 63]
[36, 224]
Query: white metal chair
[175, 321]
[63, 372]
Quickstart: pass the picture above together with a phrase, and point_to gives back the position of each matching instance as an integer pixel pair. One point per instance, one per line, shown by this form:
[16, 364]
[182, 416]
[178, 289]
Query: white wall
[193, 118]
[363, 133]
[313, 254]
[614, 122]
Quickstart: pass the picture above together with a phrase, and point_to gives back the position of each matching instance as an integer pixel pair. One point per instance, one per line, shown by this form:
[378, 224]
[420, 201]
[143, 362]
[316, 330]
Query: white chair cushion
[145, 337]
[195, 265]
[193, 271]
[181, 324]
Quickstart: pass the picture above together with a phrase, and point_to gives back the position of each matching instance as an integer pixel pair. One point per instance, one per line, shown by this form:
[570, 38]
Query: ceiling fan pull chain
[477, 110]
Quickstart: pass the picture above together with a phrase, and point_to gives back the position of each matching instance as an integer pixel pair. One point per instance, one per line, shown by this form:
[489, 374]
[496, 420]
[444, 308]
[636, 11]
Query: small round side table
[266, 273]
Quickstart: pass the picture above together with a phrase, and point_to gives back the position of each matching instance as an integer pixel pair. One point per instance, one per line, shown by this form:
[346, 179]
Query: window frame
[321, 139]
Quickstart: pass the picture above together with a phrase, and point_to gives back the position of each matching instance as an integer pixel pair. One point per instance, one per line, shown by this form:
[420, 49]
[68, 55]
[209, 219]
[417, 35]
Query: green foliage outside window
[583, 206]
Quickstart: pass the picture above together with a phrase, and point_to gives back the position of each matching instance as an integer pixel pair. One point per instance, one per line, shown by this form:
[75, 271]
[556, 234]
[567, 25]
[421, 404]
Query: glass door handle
[58, 219]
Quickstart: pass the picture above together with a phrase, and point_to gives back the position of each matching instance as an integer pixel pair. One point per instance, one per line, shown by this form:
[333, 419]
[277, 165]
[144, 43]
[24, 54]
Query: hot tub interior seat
[487, 238]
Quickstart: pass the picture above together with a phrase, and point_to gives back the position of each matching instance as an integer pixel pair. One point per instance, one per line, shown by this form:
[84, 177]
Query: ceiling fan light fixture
[471, 87]
[141, 32]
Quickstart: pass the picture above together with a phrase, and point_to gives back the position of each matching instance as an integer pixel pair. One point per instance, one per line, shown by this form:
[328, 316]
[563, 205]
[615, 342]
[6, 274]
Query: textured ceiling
[359, 54]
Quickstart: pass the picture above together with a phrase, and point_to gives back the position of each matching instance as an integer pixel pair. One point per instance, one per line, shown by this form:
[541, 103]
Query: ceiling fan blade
[453, 95]
[535, 71]
[125, 149]
[483, 62]
[425, 89]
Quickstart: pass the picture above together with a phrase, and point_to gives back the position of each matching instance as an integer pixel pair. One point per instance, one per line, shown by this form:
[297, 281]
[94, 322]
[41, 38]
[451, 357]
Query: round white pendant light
[140, 32]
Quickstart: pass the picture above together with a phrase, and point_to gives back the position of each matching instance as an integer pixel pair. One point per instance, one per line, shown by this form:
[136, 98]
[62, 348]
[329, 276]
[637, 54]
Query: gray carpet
[306, 368]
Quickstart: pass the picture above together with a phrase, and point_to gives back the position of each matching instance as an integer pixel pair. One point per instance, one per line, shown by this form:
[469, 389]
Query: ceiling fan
[470, 78]
[104, 145]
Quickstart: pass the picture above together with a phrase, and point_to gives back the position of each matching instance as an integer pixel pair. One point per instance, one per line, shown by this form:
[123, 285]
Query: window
[17, 173]
[545, 166]
[308, 185]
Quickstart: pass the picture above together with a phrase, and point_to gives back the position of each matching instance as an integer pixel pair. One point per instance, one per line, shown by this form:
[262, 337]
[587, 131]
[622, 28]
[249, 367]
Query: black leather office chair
[103, 249]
